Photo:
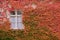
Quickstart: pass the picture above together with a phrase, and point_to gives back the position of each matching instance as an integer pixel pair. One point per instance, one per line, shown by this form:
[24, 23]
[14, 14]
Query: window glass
[12, 12]
[13, 19]
[13, 26]
[20, 25]
[19, 19]
[19, 12]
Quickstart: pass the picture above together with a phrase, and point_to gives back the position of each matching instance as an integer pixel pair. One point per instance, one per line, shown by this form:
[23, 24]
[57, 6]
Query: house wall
[26, 5]
[46, 15]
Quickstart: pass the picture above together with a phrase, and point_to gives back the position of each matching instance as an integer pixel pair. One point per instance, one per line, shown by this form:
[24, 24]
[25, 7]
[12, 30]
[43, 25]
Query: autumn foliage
[5, 24]
[44, 16]
[42, 23]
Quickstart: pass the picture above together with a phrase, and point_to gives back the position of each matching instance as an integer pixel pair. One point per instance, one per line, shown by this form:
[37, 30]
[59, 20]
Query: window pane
[19, 12]
[19, 19]
[12, 19]
[20, 25]
[13, 26]
[12, 12]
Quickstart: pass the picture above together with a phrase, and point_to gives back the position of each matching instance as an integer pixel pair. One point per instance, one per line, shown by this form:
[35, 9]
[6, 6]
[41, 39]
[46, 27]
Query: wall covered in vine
[42, 19]
[41, 23]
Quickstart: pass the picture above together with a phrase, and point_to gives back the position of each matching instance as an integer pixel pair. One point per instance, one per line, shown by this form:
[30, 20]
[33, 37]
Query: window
[19, 13]
[12, 12]
[16, 20]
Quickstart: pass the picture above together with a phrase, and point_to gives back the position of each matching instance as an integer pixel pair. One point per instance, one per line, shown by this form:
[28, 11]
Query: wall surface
[46, 14]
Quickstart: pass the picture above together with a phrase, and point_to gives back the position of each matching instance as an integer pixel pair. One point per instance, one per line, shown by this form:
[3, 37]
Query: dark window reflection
[12, 12]
[19, 12]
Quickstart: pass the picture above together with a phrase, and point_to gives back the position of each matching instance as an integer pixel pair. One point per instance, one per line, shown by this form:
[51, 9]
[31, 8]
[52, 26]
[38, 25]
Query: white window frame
[16, 15]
